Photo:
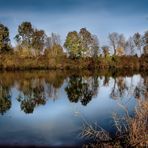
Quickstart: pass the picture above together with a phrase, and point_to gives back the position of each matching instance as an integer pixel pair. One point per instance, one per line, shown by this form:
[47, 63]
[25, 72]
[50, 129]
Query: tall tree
[4, 38]
[146, 43]
[94, 47]
[24, 36]
[82, 44]
[130, 46]
[138, 41]
[89, 43]
[38, 39]
[30, 38]
[121, 45]
[53, 46]
[117, 42]
[86, 40]
[113, 37]
[52, 40]
[73, 44]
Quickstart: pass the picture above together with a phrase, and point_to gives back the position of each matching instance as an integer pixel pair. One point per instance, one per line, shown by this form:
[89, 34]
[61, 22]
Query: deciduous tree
[117, 42]
[38, 39]
[24, 36]
[138, 41]
[105, 50]
[146, 43]
[82, 44]
[130, 46]
[73, 44]
[4, 38]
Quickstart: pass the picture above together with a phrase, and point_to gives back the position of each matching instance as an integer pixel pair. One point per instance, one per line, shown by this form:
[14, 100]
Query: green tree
[86, 40]
[29, 39]
[73, 44]
[5, 102]
[89, 43]
[4, 39]
[38, 39]
[82, 44]
[78, 90]
[24, 36]
[31, 96]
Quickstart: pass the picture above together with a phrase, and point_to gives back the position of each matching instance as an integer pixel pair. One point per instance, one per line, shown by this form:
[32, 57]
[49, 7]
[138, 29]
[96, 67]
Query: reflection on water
[52, 98]
[81, 89]
[31, 95]
[5, 102]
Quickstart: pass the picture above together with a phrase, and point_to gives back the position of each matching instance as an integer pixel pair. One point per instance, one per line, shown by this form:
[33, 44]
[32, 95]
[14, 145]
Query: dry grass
[96, 133]
[23, 59]
[138, 126]
[130, 131]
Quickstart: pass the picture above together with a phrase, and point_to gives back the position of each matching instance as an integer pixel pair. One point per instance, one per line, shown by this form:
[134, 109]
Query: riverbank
[14, 62]
[131, 131]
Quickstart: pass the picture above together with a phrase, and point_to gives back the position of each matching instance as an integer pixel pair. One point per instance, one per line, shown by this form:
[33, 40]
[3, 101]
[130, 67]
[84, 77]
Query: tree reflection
[51, 91]
[122, 87]
[106, 81]
[31, 96]
[137, 92]
[113, 94]
[36, 88]
[141, 90]
[119, 88]
[5, 102]
[80, 89]
[146, 86]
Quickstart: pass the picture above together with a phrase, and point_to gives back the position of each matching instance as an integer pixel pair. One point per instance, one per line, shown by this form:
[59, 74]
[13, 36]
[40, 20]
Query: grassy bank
[15, 62]
[130, 131]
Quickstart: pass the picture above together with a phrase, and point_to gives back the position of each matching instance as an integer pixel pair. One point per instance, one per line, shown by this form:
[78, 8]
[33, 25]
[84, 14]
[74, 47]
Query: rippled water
[49, 107]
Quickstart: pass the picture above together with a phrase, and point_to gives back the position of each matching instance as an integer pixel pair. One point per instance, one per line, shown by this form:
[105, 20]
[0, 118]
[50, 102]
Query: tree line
[33, 41]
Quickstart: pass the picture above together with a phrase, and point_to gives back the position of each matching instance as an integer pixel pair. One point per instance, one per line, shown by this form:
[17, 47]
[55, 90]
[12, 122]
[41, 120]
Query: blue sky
[62, 16]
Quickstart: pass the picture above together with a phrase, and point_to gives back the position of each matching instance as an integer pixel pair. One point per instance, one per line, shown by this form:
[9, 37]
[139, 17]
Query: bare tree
[130, 46]
[52, 40]
[138, 41]
[113, 37]
[117, 41]
[94, 47]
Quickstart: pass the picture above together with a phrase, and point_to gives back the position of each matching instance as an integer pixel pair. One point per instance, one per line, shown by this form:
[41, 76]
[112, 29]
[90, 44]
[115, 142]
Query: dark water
[48, 108]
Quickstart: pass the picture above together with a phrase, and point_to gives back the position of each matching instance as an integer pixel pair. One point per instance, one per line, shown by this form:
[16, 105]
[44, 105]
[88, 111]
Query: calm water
[49, 108]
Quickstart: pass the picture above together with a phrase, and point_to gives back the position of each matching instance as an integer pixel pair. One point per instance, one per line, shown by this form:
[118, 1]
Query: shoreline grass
[130, 131]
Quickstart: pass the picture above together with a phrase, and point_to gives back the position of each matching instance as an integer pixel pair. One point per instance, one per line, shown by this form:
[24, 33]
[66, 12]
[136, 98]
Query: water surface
[49, 108]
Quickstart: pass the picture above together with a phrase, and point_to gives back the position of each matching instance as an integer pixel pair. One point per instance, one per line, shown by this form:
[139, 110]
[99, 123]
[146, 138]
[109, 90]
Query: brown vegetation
[12, 61]
[130, 131]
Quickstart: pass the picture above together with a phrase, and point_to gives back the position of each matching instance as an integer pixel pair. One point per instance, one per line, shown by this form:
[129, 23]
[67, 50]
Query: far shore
[42, 62]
